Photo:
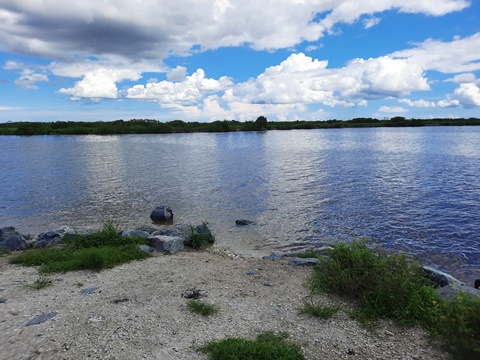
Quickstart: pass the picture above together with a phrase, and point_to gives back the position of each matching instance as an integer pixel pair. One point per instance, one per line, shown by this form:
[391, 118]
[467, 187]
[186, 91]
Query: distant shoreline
[148, 126]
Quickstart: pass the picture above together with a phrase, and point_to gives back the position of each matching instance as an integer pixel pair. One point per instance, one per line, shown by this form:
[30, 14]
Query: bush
[460, 327]
[200, 237]
[267, 346]
[386, 286]
[320, 311]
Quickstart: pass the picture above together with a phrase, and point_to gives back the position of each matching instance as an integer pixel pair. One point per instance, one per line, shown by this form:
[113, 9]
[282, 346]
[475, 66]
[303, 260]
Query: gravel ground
[136, 311]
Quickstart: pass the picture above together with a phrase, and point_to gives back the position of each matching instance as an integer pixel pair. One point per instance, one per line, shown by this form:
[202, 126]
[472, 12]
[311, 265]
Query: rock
[12, 240]
[452, 291]
[3, 301]
[88, 291]
[147, 228]
[204, 229]
[192, 293]
[274, 256]
[41, 318]
[161, 213]
[302, 262]
[244, 222]
[50, 238]
[180, 230]
[145, 248]
[439, 278]
[252, 272]
[131, 232]
[170, 244]
[477, 284]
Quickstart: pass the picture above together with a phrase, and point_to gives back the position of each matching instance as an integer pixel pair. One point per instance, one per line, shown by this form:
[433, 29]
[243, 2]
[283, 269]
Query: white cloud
[392, 109]
[187, 92]
[177, 74]
[371, 22]
[29, 80]
[418, 103]
[460, 55]
[100, 84]
[8, 108]
[301, 79]
[466, 95]
[156, 29]
[463, 78]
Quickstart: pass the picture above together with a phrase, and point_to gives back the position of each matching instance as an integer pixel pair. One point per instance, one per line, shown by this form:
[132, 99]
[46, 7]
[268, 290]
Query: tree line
[149, 126]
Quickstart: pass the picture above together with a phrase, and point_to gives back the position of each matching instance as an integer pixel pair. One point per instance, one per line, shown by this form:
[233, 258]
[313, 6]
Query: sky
[207, 60]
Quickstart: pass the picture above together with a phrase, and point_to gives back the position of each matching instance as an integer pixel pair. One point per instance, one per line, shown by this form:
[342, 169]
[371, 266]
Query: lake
[410, 189]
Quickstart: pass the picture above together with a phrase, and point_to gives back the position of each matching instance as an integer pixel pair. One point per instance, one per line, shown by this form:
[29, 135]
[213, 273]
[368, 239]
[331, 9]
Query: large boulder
[133, 232]
[453, 291]
[12, 240]
[161, 213]
[180, 230]
[170, 244]
[439, 278]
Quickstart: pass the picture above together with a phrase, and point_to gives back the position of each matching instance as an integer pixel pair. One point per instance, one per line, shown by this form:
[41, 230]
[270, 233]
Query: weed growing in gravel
[103, 249]
[41, 283]
[321, 311]
[267, 346]
[199, 307]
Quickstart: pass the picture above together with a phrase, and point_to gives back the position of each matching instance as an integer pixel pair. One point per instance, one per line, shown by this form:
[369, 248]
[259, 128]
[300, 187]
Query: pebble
[41, 318]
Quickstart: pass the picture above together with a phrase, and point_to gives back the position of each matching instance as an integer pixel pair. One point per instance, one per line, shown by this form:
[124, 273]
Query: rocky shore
[138, 311]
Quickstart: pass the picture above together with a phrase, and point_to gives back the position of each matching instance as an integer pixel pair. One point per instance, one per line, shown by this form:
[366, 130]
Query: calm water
[416, 190]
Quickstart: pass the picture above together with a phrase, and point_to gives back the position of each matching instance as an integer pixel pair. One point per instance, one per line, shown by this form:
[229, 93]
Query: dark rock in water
[131, 232]
[302, 262]
[439, 278]
[204, 229]
[3, 301]
[274, 256]
[12, 240]
[244, 222]
[477, 284]
[41, 318]
[161, 213]
[170, 244]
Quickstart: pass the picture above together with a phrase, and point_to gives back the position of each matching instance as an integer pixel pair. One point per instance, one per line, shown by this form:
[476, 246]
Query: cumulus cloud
[466, 95]
[459, 55]
[301, 79]
[463, 78]
[177, 74]
[29, 81]
[186, 92]
[100, 84]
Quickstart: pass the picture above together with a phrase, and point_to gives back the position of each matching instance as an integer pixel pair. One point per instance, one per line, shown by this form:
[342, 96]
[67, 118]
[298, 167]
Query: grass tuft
[200, 237]
[320, 311]
[41, 283]
[266, 346]
[199, 307]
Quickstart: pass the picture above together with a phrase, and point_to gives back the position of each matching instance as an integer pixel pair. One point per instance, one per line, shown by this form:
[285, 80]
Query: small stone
[267, 284]
[87, 291]
[252, 272]
[41, 318]
[3, 300]
[244, 222]
[192, 293]
[302, 262]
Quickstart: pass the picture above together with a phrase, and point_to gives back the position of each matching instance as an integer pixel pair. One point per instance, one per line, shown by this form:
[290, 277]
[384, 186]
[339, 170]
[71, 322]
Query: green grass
[320, 311]
[266, 346]
[199, 307]
[103, 249]
[389, 286]
[41, 283]
[199, 239]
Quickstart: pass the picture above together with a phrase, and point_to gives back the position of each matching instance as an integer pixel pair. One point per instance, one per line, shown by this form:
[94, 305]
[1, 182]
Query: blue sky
[209, 60]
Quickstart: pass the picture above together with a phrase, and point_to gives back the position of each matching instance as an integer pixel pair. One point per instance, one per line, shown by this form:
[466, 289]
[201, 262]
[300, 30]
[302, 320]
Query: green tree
[261, 123]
